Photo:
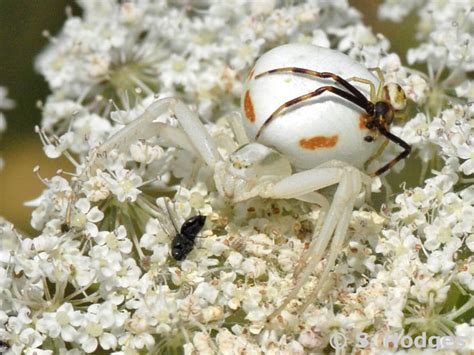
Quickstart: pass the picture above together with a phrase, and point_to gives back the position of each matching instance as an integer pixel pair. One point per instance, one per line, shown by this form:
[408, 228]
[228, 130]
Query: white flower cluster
[5, 104]
[198, 51]
[445, 30]
[99, 275]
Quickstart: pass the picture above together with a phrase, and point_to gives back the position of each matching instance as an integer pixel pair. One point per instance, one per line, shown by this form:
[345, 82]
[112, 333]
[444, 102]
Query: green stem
[465, 307]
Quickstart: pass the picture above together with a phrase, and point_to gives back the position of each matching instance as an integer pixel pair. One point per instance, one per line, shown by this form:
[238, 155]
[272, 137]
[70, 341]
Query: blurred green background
[22, 23]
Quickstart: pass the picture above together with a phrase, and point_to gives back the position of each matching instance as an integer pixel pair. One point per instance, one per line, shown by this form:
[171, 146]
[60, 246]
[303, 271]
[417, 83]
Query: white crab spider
[325, 138]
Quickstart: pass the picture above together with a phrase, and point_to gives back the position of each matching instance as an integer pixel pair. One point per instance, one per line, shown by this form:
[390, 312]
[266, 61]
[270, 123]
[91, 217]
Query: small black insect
[183, 242]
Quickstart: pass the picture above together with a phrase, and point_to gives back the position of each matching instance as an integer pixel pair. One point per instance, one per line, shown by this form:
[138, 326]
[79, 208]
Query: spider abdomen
[316, 130]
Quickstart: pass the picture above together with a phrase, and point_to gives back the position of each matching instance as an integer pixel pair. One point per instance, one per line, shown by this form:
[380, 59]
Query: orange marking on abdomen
[362, 122]
[248, 107]
[319, 142]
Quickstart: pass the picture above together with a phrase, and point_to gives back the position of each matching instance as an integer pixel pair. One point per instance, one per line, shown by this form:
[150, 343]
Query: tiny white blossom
[124, 184]
[145, 154]
[85, 217]
[96, 188]
[63, 322]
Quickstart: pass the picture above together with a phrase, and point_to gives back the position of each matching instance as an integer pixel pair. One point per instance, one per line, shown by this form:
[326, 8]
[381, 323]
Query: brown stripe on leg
[402, 155]
[323, 75]
[317, 92]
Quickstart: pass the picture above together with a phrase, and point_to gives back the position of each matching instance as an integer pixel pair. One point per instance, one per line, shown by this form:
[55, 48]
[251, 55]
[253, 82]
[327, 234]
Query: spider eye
[394, 94]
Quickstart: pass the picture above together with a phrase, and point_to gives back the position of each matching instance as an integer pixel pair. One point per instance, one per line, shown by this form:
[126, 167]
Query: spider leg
[335, 249]
[315, 198]
[372, 94]
[349, 182]
[324, 75]
[237, 126]
[381, 78]
[364, 104]
[318, 199]
[174, 137]
[406, 150]
[195, 137]
[377, 154]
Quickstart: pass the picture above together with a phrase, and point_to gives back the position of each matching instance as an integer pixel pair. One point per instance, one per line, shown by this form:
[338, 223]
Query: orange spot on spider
[362, 122]
[319, 142]
[248, 107]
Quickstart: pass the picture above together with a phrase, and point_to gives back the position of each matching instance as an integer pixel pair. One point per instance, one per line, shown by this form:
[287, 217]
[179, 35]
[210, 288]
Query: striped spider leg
[379, 113]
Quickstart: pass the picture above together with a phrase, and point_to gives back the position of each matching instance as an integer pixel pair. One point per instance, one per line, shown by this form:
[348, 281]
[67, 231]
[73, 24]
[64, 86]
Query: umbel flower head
[99, 276]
